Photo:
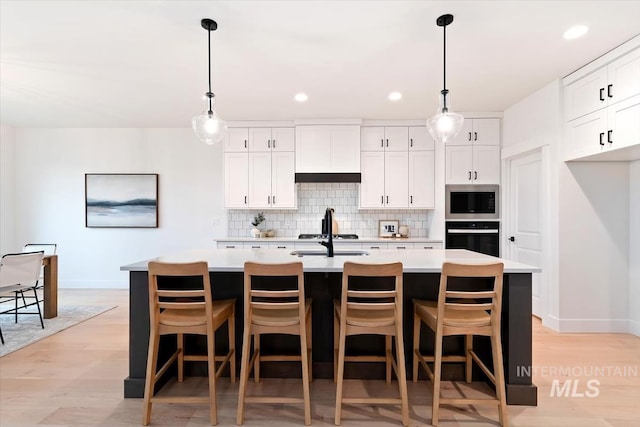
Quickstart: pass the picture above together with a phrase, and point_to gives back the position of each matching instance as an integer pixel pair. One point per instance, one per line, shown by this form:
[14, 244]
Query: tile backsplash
[313, 199]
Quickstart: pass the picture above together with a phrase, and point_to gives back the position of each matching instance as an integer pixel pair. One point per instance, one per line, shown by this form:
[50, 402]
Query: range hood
[328, 177]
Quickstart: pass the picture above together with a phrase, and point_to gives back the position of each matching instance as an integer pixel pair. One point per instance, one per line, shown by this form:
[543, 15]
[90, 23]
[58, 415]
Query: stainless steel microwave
[475, 202]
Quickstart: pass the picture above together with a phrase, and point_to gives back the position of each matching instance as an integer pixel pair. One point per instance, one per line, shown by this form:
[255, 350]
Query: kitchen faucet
[328, 220]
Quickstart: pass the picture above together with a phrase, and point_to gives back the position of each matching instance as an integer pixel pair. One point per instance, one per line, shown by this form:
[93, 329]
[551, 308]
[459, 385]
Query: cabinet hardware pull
[469, 136]
[282, 247]
[387, 199]
[255, 247]
[382, 200]
[411, 142]
[401, 247]
[609, 94]
[411, 198]
[230, 246]
[609, 132]
[245, 200]
[427, 247]
[274, 143]
[601, 94]
[382, 143]
[268, 143]
[475, 175]
[601, 136]
[475, 136]
[268, 200]
[273, 199]
[374, 247]
[469, 175]
[245, 143]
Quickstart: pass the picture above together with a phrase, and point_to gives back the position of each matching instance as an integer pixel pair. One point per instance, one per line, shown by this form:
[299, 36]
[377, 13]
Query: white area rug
[28, 329]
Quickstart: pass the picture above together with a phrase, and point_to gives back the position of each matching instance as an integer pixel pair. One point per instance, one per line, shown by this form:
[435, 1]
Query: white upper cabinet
[236, 180]
[372, 185]
[422, 179]
[612, 83]
[472, 164]
[391, 138]
[237, 140]
[327, 149]
[478, 132]
[602, 112]
[271, 180]
[396, 179]
[271, 139]
[419, 139]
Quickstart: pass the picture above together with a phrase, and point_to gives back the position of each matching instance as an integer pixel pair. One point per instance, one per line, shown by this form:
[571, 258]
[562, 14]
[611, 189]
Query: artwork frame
[121, 200]
[388, 227]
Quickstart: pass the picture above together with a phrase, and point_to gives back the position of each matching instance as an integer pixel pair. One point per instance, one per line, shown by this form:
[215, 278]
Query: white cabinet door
[623, 124]
[283, 187]
[419, 139]
[260, 180]
[586, 95]
[313, 153]
[396, 138]
[372, 186]
[458, 164]
[372, 138]
[396, 179]
[345, 149]
[624, 77]
[236, 180]
[486, 164]
[259, 139]
[283, 139]
[422, 179]
[586, 135]
[465, 136]
[486, 131]
[237, 140]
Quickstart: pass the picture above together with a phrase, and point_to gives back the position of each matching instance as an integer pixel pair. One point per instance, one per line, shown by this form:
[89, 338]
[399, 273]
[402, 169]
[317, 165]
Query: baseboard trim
[634, 327]
[551, 322]
[595, 325]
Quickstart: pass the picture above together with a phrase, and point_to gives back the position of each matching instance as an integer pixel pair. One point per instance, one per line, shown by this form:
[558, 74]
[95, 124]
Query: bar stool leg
[340, 377]
[468, 348]
[336, 341]
[387, 357]
[211, 366]
[256, 363]
[305, 375]
[231, 325]
[180, 345]
[416, 344]
[437, 371]
[150, 380]
[310, 345]
[244, 373]
[498, 371]
[402, 374]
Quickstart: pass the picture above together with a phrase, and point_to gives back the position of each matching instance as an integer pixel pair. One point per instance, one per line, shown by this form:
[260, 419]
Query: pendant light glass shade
[446, 124]
[208, 126]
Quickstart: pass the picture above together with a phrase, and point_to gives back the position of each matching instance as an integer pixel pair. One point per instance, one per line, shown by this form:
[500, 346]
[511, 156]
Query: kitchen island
[322, 283]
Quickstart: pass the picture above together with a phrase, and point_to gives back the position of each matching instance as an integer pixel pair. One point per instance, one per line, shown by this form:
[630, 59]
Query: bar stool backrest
[367, 296]
[288, 296]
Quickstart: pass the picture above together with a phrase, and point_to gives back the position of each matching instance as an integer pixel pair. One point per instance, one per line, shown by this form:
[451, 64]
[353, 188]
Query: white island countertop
[414, 261]
[335, 240]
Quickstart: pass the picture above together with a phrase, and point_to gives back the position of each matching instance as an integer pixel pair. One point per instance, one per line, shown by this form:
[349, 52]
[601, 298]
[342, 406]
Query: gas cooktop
[324, 236]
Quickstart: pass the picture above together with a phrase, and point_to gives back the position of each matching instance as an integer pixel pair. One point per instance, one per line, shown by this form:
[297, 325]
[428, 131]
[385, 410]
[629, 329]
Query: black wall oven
[472, 202]
[478, 236]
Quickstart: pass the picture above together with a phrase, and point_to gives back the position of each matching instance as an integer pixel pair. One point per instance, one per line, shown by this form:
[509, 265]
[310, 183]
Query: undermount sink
[324, 253]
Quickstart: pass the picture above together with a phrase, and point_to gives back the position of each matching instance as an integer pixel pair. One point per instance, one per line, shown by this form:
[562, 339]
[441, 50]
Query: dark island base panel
[323, 288]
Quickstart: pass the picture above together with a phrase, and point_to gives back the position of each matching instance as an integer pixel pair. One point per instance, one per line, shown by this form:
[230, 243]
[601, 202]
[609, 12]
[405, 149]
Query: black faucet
[328, 220]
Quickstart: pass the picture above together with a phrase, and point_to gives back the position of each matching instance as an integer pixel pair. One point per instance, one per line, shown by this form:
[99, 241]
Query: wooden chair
[368, 311]
[283, 311]
[186, 311]
[466, 313]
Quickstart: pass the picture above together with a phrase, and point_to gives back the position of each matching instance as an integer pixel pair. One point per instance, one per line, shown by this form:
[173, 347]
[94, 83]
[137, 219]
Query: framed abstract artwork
[388, 228]
[121, 200]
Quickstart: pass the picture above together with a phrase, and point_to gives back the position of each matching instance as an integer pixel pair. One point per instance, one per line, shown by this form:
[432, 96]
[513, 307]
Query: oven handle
[458, 231]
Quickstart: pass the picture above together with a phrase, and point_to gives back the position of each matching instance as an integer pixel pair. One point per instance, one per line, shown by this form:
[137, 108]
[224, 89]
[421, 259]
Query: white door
[465, 136]
[422, 179]
[372, 185]
[396, 179]
[313, 149]
[237, 140]
[396, 138]
[586, 135]
[260, 180]
[345, 149]
[526, 220]
[419, 139]
[459, 164]
[283, 139]
[283, 184]
[586, 95]
[372, 138]
[236, 180]
[486, 164]
[623, 123]
[486, 131]
[260, 139]
[624, 77]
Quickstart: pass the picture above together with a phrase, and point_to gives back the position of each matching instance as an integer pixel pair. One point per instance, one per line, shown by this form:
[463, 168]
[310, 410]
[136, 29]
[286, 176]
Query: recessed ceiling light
[575, 32]
[395, 96]
[301, 97]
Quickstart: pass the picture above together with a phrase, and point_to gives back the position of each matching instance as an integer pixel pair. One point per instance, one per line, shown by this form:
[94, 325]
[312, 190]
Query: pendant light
[446, 124]
[208, 126]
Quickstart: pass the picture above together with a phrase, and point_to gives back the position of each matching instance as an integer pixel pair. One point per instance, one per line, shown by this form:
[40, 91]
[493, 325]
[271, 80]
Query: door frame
[545, 220]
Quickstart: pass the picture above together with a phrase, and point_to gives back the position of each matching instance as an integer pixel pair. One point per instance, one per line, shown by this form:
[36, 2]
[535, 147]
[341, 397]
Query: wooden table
[50, 263]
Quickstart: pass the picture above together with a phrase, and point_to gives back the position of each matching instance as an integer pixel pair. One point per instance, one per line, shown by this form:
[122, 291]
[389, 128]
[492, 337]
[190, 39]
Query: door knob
[512, 239]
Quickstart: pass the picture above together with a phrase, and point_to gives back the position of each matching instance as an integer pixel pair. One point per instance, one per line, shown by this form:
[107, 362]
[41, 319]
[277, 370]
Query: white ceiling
[144, 63]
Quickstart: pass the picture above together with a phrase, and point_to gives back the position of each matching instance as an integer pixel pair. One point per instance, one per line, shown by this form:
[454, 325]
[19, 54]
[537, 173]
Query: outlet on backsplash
[313, 199]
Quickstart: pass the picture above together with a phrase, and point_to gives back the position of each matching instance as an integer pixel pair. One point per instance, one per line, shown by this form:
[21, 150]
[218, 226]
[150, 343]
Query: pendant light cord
[209, 94]
[444, 62]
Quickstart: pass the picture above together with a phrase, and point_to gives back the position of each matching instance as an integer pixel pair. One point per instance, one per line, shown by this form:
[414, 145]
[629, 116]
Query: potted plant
[257, 220]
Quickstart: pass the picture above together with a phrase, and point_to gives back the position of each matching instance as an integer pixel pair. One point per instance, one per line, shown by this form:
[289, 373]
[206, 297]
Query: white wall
[634, 247]
[7, 189]
[49, 176]
[534, 123]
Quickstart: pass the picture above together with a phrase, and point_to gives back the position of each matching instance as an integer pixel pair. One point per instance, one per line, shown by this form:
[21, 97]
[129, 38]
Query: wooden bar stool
[186, 311]
[466, 313]
[282, 311]
[369, 311]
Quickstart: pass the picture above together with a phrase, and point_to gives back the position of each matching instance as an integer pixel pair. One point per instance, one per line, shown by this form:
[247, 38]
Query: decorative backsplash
[313, 199]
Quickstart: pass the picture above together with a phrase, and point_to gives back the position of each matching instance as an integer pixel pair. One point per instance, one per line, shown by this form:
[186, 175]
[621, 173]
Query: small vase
[255, 232]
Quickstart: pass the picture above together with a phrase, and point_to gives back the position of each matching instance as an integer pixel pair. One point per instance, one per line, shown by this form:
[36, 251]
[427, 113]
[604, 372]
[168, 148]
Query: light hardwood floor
[75, 378]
